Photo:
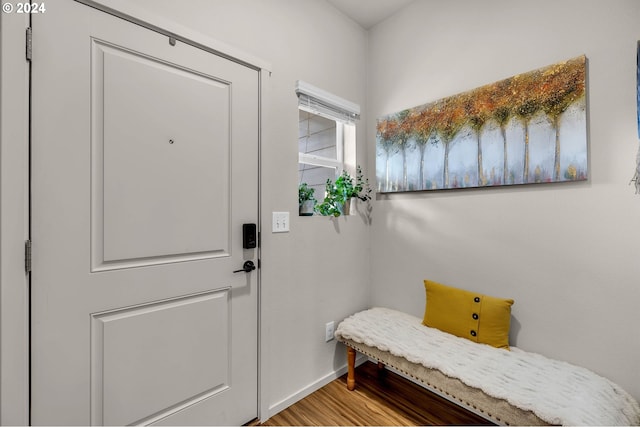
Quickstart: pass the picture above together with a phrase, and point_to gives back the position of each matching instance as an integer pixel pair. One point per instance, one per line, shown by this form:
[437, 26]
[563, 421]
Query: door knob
[247, 267]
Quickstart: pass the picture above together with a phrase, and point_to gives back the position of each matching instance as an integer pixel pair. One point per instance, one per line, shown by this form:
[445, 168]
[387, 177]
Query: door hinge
[27, 256]
[29, 43]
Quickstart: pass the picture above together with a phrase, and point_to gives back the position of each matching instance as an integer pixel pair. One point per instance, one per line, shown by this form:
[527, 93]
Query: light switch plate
[280, 222]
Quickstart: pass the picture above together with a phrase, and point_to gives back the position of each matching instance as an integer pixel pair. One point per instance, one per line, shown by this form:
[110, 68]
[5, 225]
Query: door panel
[160, 178]
[144, 168]
[149, 358]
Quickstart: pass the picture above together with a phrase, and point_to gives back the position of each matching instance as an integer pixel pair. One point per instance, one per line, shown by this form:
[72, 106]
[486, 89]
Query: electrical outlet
[328, 331]
[280, 222]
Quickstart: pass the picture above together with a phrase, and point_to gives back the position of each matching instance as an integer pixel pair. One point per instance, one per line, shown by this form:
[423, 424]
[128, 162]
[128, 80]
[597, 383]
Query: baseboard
[316, 385]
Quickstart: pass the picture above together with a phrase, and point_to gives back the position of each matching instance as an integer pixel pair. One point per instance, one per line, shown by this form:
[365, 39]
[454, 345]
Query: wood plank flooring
[376, 401]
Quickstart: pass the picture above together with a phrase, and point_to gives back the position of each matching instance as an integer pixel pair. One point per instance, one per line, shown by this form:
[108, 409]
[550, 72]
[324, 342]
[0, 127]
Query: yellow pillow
[479, 318]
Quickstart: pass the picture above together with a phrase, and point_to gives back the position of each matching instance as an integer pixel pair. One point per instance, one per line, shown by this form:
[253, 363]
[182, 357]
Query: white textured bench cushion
[557, 392]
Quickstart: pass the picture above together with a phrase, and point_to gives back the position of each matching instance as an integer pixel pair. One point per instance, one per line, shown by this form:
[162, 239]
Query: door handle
[247, 267]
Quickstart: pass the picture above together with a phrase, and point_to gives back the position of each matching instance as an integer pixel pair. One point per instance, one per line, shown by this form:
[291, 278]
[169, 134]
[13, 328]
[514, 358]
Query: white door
[144, 169]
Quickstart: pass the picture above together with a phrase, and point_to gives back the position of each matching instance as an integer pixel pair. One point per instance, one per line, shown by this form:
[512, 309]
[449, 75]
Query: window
[320, 153]
[326, 136]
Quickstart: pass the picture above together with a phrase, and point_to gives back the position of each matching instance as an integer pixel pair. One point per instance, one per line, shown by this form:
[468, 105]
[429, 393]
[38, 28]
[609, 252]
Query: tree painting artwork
[529, 128]
[636, 177]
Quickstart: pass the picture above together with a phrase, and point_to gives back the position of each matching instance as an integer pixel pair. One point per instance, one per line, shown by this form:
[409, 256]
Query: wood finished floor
[385, 401]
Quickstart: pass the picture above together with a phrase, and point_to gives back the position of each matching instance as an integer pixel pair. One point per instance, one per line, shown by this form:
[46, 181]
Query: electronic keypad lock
[249, 236]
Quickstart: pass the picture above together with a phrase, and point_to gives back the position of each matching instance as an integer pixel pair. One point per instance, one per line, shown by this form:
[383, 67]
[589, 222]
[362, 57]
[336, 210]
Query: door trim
[14, 194]
[128, 11]
[14, 221]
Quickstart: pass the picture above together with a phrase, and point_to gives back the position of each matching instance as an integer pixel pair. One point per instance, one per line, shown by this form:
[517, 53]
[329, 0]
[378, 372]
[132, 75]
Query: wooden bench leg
[382, 372]
[351, 362]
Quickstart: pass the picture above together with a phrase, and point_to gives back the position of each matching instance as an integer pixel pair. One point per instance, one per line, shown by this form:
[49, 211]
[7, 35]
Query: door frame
[14, 220]
[14, 193]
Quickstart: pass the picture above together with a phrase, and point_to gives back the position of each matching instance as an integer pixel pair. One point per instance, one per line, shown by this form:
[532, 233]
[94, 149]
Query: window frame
[322, 161]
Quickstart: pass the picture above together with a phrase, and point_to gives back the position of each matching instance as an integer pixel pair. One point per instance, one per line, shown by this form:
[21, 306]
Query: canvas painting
[529, 128]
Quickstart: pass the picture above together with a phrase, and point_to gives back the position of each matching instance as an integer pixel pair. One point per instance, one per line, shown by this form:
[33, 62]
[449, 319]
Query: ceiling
[368, 13]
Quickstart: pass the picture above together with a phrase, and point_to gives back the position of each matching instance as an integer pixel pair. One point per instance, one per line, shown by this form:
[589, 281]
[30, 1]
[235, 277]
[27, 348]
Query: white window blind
[323, 103]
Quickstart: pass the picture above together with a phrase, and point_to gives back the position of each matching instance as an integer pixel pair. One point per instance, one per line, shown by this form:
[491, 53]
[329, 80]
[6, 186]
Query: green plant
[333, 201]
[362, 189]
[344, 188]
[305, 193]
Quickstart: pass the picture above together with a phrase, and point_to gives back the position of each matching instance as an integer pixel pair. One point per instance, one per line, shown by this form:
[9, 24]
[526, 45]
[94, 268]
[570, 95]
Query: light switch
[280, 222]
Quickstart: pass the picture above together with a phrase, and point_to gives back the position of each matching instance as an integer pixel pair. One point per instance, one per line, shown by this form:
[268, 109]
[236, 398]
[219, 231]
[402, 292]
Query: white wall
[567, 253]
[319, 271]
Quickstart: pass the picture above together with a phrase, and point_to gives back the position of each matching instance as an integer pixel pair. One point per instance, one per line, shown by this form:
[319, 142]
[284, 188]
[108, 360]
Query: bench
[507, 387]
